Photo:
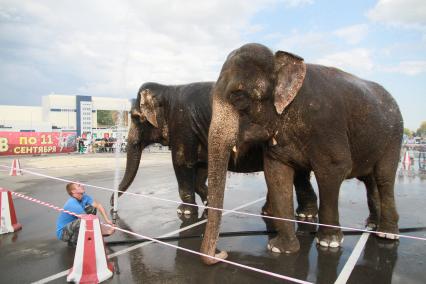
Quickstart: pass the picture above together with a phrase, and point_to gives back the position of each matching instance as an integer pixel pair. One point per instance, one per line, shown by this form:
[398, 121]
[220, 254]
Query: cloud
[404, 13]
[356, 60]
[306, 45]
[410, 68]
[109, 48]
[352, 34]
[297, 3]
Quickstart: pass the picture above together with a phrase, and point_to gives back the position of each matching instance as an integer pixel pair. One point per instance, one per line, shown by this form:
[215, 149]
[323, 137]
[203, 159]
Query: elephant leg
[305, 194]
[200, 183]
[329, 185]
[373, 201]
[279, 179]
[186, 182]
[384, 174]
[267, 207]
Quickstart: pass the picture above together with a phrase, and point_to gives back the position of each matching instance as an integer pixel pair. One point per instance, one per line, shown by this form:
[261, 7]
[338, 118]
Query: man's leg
[70, 233]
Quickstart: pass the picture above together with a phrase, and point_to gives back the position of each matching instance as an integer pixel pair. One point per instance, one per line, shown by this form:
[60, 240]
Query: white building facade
[96, 116]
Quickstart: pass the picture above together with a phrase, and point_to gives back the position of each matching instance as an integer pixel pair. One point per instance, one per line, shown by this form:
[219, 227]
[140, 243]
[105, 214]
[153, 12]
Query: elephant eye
[240, 100]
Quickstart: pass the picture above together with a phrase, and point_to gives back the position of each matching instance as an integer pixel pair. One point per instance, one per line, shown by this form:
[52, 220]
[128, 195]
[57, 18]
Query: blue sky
[109, 48]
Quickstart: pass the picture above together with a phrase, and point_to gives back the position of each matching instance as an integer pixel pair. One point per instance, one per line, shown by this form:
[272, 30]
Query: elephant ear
[290, 71]
[151, 108]
[135, 112]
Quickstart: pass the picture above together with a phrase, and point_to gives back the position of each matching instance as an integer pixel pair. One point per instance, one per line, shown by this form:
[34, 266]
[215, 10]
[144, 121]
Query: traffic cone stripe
[407, 160]
[12, 211]
[89, 255]
[16, 168]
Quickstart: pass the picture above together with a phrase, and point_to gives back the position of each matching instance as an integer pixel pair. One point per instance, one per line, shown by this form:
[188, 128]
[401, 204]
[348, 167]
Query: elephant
[179, 116]
[312, 118]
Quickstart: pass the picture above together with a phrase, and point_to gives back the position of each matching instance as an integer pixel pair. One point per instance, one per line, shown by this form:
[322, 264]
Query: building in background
[98, 117]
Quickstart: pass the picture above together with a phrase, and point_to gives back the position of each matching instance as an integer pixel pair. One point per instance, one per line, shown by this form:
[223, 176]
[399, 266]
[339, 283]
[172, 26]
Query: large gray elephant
[179, 117]
[316, 118]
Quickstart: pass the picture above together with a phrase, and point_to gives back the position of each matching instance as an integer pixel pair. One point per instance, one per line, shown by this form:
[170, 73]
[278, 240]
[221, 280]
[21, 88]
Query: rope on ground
[220, 209]
[276, 275]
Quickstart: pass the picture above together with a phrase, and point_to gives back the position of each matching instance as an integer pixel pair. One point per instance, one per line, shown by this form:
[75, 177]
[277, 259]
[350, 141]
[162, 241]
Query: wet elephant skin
[178, 116]
[316, 118]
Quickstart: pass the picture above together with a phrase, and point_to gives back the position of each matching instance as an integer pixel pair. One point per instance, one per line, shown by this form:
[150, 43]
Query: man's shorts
[70, 233]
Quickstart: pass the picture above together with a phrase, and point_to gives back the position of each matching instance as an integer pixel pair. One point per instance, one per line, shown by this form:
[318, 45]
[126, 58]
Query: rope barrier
[276, 275]
[220, 209]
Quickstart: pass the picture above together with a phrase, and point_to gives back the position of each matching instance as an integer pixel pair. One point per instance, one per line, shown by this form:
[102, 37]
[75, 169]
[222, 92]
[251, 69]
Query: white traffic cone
[8, 220]
[90, 260]
[16, 168]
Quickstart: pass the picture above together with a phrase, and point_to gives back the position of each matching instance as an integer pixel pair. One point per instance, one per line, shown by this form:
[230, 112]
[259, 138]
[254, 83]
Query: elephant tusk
[274, 141]
[234, 149]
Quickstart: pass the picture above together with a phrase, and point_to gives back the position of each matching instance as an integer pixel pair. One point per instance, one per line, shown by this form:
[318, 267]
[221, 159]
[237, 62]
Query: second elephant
[179, 117]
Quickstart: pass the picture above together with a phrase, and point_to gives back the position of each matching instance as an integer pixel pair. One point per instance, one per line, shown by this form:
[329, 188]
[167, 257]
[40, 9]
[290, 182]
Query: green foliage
[105, 118]
[109, 118]
[408, 132]
[421, 131]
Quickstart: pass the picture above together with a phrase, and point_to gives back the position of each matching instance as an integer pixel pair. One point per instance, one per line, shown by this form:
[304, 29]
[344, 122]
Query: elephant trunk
[134, 153]
[222, 137]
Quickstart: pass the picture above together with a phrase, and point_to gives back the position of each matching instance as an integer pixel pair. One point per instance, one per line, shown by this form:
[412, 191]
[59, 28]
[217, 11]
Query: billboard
[35, 143]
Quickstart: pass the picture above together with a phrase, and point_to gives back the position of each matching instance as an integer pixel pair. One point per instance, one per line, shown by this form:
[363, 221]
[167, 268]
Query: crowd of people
[101, 145]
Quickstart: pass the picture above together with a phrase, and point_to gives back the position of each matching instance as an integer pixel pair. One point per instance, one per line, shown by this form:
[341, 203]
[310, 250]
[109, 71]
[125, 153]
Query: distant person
[81, 146]
[67, 225]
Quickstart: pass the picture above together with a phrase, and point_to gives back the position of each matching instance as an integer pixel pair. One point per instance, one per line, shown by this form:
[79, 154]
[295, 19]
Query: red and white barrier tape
[276, 275]
[220, 209]
[44, 203]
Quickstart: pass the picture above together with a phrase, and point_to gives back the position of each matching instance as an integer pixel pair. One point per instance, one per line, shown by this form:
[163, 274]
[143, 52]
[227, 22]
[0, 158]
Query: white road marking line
[65, 273]
[352, 260]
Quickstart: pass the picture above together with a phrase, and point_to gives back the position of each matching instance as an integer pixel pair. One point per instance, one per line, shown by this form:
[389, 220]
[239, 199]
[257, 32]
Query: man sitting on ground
[67, 225]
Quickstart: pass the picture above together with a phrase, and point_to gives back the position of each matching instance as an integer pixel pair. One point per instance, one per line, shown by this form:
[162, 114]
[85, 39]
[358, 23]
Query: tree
[408, 132]
[421, 131]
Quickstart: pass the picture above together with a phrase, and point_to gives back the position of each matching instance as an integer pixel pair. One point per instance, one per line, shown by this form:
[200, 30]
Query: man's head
[75, 190]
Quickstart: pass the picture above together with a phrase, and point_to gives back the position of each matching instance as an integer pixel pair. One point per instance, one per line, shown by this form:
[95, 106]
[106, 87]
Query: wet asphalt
[34, 253]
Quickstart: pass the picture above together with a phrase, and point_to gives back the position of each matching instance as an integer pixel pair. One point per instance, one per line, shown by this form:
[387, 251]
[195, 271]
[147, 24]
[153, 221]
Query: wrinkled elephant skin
[311, 118]
[179, 117]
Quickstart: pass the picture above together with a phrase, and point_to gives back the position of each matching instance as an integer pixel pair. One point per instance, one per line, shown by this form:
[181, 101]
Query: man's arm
[102, 210]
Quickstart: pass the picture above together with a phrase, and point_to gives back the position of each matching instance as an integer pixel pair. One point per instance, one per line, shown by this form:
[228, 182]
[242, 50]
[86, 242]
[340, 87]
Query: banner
[35, 143]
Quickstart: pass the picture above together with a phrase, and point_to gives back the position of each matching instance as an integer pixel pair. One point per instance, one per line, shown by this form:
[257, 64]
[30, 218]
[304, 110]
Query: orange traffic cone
[16, 168]
[8, 220]
[90, 260]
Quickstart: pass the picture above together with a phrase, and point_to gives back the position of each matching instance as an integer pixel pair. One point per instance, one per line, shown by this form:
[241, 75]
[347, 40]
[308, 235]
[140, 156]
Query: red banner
[34, 143]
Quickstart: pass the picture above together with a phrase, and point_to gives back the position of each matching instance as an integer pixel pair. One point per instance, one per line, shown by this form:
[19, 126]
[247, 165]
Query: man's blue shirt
[75, 206]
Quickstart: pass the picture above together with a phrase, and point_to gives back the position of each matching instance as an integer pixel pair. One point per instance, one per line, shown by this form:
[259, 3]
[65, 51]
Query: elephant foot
[266, 209]
[388, 232]
[329, 250]
[280, 245]
[329, 238]
[218, 255]
[307, 211]
[371, 222]
[186, 209]
[202, 193]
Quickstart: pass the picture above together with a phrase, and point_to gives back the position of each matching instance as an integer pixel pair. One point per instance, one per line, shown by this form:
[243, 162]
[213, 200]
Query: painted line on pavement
[352, 260]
